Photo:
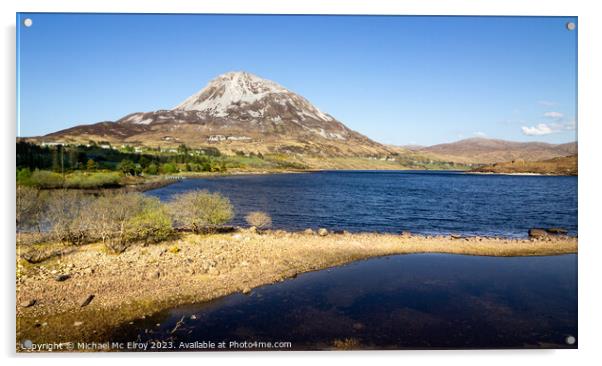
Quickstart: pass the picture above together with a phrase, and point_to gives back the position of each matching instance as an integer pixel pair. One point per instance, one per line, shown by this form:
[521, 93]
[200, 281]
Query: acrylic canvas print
[203, 182]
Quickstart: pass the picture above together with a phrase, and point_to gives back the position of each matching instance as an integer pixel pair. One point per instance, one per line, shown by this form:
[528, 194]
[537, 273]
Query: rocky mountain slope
[236, 111]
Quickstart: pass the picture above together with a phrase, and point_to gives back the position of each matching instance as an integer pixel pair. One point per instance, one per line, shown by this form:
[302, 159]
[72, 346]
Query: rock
[28, 303]
[537, 233]
[557, 231]
[406, 234]
[455, 236]
[62, 277]
[246, 290]
[77, 324]
[322, 231]
[358, 326]
[253, 229]
[309, 232]
[154, 274]
[87, 301]
[193, 317]
[88, 271]
[38, 256]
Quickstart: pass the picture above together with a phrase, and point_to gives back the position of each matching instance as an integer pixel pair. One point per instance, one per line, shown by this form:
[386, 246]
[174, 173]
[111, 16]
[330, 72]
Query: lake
[397, 302]
[427, 202]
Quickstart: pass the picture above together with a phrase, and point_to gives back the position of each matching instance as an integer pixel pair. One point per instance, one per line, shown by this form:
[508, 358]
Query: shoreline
[198, 268]
[521, 174]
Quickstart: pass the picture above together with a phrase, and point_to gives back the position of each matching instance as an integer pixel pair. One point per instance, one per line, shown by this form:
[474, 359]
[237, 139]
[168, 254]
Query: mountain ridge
[241, 112]
[481, 150]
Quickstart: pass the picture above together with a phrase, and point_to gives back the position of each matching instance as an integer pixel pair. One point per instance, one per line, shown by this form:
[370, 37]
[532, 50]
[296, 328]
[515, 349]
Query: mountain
[481, 150]
[565, 165]
[236, 111]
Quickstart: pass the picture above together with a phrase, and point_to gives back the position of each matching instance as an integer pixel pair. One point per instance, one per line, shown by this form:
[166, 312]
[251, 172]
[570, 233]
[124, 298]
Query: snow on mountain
[236, 93]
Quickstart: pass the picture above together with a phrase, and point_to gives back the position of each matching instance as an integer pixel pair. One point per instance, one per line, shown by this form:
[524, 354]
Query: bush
[201, 211]
[121, 218]
[152, 225]
[259, 219]
[169, 168]
[46, 179]
[65, 214]
[152, 169]
[93, 180]
[30, 208]
[24, 177]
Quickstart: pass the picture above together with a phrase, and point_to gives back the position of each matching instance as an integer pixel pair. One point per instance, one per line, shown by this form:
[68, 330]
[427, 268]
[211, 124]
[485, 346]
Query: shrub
[259, 219]
[92, 180]
[169, 168]
[24, 177]
[152, 225]
[30, 207]
[152, 169]
[67, 222]
[121, 218]
[46, 179]
[201, 211]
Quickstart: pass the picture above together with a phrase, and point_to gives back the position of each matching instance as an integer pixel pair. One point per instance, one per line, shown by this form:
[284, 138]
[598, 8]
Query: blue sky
[398, 80]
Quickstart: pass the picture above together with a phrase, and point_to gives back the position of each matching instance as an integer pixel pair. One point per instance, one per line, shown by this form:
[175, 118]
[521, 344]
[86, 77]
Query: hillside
[489, 151]
[566, 165]
[235, 112]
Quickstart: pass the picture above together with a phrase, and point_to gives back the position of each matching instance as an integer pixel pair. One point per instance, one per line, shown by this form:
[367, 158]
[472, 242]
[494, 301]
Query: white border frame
[590, 64]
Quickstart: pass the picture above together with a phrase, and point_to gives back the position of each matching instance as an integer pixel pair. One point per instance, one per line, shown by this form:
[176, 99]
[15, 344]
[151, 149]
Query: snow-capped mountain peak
[241, 93]
[230, 88]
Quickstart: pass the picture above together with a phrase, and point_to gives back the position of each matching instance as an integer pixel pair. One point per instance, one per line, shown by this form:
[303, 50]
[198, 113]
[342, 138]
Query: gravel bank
[81, 295]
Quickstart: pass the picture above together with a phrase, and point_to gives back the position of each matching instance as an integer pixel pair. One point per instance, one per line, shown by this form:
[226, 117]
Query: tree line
[91, 157]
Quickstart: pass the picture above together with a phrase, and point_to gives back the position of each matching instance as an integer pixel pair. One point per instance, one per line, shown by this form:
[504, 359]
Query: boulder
[86, 301]
[538, 233]
[322, 231]
[557, 231]
[309, 231]
[28, 303]
[62, 277]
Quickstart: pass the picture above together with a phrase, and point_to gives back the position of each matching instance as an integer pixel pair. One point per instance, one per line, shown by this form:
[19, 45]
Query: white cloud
[539, 130]
[548, 128]
[480, 134]
[553, 115]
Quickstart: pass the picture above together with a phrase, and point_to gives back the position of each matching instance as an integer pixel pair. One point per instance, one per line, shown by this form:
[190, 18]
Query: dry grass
[144, 280]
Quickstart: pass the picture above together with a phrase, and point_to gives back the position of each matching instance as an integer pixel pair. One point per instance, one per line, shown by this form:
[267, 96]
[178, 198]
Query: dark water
[419, 201]
[399, 302]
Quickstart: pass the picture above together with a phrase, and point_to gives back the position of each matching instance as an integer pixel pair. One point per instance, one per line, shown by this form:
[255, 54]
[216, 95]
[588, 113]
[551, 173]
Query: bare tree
[259, 219]
[64, 214]
[30, 208]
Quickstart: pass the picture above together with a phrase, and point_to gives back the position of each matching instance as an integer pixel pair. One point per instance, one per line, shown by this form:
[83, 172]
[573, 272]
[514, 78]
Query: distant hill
[566, 165]
[487, 151]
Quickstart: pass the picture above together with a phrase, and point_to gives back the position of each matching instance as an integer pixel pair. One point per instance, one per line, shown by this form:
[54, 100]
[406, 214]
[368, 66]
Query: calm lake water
[399, 302]
[418, 201]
